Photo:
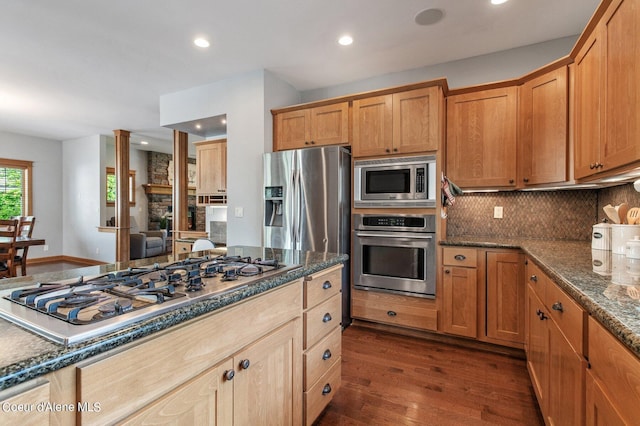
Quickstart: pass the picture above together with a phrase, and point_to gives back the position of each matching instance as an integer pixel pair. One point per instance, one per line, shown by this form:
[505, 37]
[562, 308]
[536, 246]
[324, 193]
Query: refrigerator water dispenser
[273, 206]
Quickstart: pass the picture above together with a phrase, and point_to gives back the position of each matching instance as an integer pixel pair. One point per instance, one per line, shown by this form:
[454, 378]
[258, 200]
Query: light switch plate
[239, 212]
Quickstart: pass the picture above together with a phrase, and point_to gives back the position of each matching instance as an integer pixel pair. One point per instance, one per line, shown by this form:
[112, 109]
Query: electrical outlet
[497, 212]
[97, 250]
[45, 247]
[239, 212]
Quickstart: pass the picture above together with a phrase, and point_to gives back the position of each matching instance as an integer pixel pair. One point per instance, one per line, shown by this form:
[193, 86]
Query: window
[15, 188]
[111, 187]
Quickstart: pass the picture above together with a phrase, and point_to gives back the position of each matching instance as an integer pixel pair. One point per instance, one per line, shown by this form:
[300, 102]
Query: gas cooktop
[82, 308]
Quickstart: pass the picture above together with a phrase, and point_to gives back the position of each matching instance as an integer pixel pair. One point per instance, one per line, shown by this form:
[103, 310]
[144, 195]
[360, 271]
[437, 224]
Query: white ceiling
[73, 68]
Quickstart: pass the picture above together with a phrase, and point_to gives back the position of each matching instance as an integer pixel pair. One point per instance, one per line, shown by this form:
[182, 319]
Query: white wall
[504, 65]
[242, 99]
[46, 155]
[83, 184]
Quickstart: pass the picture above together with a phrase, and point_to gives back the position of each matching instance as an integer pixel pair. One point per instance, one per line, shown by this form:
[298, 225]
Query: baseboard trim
[69, 259]
[442, 338]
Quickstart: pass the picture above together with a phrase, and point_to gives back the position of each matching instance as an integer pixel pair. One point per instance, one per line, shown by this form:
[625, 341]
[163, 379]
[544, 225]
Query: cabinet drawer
[28, 395]
[457, 256]
[393, 309]
[316, 398]
[536, 278]
[321, 356]
[320, 287]
[319, 321]
[567, 314]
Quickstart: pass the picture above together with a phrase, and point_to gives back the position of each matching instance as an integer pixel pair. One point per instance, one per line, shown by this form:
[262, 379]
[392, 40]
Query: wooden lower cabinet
[555, 358]
[613, 380]
[24, 405]
[203, 400]
[460, 301]
[322, 356]
[505, 298]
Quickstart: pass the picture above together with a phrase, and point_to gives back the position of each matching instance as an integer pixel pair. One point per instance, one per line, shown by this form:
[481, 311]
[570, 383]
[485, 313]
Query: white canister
[632, 250]
[601, 236]
[620, 234]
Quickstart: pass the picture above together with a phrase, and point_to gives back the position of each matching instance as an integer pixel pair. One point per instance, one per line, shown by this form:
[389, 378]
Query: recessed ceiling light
[144, 143]
[223, 121]
[429, 16]
[345, 40]
[198, 126]
[201, 42]
[498, 1]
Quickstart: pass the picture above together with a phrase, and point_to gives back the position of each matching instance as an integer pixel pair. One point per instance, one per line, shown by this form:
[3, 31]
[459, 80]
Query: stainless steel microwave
[395, 182]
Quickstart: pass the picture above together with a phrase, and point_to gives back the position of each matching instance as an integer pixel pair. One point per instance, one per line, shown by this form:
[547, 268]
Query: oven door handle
[412, 237]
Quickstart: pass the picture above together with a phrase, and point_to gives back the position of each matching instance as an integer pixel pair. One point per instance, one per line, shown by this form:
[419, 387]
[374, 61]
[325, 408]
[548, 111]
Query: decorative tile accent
[548, 215]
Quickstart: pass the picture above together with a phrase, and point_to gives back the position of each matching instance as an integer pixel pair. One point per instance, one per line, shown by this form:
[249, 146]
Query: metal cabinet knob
[541, 315]
[244, 364]
[446, 271]
[557, 307]
[533, 278]
[526, 180]
[229, 375]
[326, 389]
[391, 313]
[326, 355]
[326, 317]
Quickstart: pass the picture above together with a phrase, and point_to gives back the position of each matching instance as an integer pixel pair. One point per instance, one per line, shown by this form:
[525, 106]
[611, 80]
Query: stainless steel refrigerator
[307, 204]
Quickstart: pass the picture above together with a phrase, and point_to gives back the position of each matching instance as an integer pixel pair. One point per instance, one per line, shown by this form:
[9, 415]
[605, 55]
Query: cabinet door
[542, 151]
[505, 296]
[537, 347]
[599, 409]
[416, 120]
[460, 301]
[588, 99]
[205, 400]
[621, 48]
[566, 381]
[268, 379]
[211, 168]
[330, 124]
[372, 126]
[28, 400]
[481, 138]
[293, 129]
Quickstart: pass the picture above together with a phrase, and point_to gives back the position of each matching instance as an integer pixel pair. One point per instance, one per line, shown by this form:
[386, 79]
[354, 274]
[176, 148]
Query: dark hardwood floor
[390, 379]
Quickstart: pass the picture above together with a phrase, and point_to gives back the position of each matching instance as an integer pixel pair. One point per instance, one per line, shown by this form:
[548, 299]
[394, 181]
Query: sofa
[144, 244]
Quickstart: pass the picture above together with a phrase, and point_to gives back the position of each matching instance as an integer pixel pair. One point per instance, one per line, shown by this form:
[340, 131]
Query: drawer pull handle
[541, 315]
[326, 389]
[326, 285]
[326, 355]
[446, 271]
[326, 317]
[460, 257]
[391, 313]
[557, 307]
[244, 364]
[229, 375]
[533, 278]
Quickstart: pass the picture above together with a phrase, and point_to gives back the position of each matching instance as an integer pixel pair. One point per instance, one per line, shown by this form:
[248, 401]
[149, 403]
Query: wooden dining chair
[8, 233]
[25, 229]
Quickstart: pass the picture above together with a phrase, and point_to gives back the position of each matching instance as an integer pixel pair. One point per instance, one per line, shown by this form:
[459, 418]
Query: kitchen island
[182, 346]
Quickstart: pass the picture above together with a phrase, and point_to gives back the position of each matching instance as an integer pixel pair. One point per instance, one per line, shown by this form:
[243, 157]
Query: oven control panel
[399, 222]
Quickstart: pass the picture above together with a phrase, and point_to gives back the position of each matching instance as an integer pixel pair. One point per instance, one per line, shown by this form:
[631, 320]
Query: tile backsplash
[555, 215]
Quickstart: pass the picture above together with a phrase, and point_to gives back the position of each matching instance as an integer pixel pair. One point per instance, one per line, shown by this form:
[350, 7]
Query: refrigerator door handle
[295, 179]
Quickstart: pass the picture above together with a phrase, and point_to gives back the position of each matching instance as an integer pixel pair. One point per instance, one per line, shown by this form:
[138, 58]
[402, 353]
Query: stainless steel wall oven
[395, 253]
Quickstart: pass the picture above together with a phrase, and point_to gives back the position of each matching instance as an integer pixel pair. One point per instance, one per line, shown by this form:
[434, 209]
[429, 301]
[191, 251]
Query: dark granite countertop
[25, 355]
[595, 279]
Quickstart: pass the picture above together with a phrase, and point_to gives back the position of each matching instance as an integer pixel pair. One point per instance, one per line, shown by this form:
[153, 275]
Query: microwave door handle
[412, 237]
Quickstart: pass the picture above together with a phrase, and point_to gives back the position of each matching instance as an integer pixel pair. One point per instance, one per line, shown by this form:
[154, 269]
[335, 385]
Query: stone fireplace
[160, 204]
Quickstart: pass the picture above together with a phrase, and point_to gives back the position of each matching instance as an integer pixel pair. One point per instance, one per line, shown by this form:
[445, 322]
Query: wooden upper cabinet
[304, 128]
[543, 136]
[607, 127]
[211, 170]
[399, 123]
[481, 138]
